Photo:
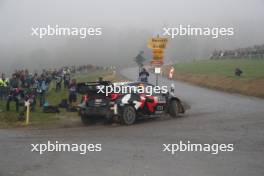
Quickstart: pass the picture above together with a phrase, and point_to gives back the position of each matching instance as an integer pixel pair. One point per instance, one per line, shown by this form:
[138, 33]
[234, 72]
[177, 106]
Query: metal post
[157, 79]
[27, 104]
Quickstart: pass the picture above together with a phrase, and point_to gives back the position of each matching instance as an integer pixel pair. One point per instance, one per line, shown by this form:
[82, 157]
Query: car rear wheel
[128, 115]
[174, 108]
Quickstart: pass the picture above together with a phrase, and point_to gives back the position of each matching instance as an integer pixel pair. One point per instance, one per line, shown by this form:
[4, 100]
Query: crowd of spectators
[255, 52]
[33, 87]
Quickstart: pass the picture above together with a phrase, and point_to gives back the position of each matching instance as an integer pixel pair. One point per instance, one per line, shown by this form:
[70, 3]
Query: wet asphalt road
[214, 117]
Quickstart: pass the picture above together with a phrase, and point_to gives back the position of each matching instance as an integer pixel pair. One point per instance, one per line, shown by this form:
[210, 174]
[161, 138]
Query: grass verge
[219, 74]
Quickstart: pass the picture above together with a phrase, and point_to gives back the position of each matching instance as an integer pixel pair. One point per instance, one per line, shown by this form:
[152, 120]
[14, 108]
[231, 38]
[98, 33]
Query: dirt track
[214, 117]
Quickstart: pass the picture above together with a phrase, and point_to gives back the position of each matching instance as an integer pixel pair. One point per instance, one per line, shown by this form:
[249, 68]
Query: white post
[27, 104]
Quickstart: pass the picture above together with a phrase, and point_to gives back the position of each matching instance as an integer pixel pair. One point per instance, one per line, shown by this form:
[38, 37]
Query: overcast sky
[126, 27]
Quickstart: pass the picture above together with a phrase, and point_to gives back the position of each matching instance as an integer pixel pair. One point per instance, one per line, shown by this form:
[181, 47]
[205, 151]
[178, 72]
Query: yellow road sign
[157, 43]
[158, 53]
[156, 57]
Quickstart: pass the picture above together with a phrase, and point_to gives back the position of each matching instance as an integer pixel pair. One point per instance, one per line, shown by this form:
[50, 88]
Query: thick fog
[126, 27]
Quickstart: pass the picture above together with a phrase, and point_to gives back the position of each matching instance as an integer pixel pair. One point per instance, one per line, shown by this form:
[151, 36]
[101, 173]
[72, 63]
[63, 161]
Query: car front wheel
[174, 108]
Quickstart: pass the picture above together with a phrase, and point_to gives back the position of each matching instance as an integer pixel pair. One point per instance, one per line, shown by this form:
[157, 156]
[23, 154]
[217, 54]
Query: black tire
[174, 109]
[128, 115]
[86, 120]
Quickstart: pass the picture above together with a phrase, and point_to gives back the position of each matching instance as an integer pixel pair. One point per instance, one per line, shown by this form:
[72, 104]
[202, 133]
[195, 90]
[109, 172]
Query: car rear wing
[91, 87]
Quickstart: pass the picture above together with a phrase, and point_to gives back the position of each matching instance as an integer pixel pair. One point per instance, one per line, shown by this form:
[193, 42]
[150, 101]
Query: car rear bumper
[97, 111]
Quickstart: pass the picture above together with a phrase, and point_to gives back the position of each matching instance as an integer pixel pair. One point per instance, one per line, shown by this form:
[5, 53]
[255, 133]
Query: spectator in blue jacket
[41, 90]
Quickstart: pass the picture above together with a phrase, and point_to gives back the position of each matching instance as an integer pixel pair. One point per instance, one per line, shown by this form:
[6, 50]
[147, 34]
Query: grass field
[38, 118]
[252, 68]
[219, 74]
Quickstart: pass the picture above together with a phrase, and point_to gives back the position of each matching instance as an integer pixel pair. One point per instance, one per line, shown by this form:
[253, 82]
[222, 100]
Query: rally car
[125, 107]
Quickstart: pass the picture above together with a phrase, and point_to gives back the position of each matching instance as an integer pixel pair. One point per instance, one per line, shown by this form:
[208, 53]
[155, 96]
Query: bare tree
[139, 59]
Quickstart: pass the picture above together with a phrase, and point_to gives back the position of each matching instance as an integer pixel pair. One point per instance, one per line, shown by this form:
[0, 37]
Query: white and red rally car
[125, 107]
